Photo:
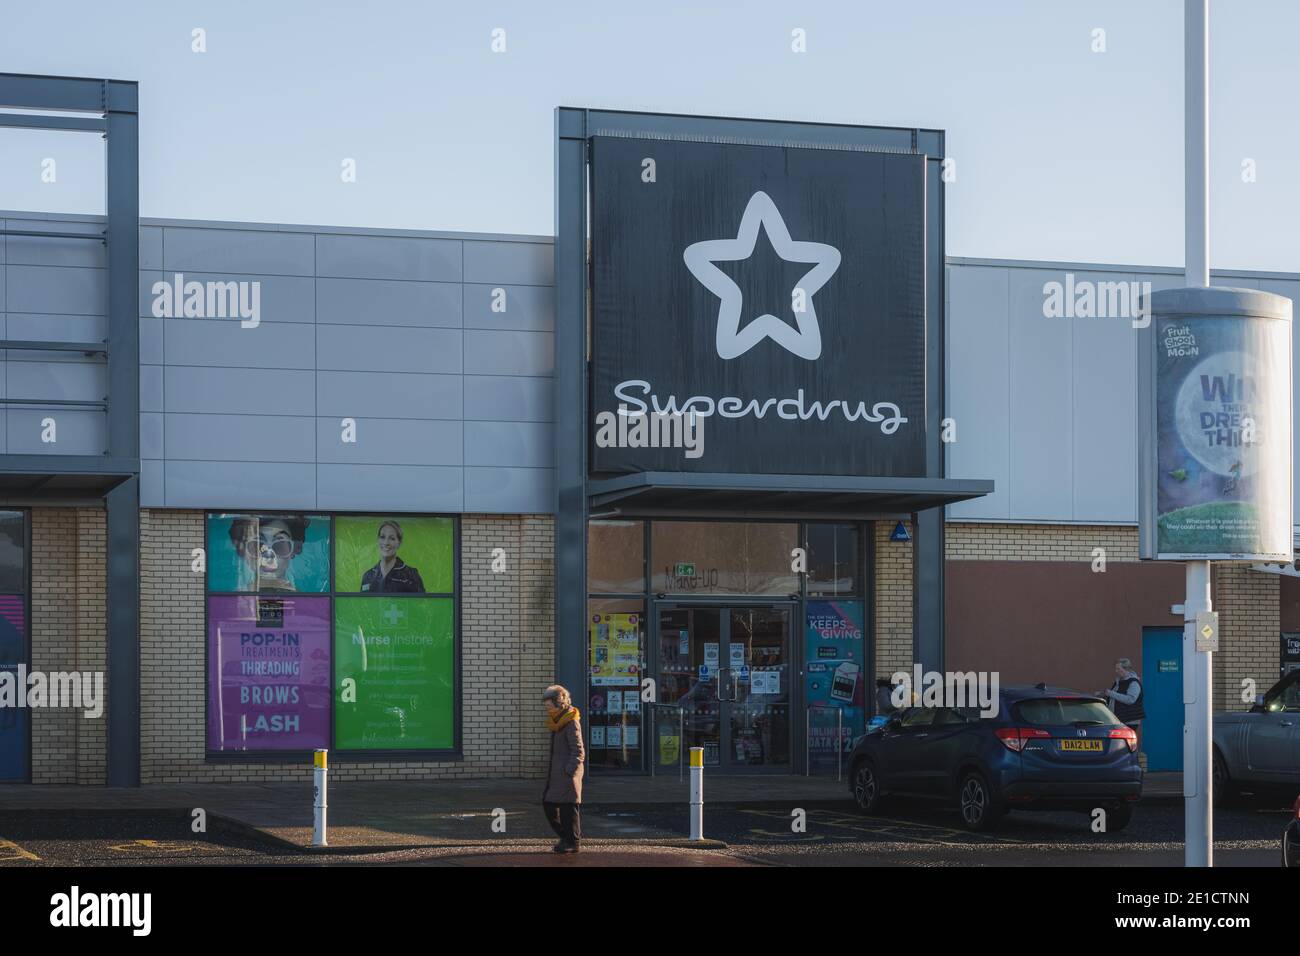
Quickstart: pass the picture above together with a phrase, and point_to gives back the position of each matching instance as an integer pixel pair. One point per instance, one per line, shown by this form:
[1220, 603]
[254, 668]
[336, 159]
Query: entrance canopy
[775, 495]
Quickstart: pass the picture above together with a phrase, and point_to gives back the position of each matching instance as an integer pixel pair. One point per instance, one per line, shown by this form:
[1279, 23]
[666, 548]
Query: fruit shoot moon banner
[1219, 438]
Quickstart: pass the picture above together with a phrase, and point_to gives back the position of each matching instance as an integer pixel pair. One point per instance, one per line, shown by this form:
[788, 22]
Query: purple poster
[269, 673]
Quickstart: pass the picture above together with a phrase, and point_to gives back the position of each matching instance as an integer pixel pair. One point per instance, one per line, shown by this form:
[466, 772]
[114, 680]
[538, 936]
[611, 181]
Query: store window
[723, 557]
[833, 563]
[616, 658]
[334, 632]
[616, 557]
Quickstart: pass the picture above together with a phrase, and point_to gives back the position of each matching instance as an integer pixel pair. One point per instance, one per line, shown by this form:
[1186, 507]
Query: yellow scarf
[557, 723]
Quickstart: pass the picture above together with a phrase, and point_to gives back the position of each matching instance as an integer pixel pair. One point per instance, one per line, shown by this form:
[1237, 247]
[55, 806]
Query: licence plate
[1088, 746]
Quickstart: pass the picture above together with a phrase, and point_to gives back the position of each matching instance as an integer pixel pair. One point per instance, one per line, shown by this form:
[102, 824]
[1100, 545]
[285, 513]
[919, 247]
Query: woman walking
[563, 793]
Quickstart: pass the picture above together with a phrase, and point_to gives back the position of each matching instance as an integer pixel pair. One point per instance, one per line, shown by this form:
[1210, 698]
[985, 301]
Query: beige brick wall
[893, 601]
[69, 634]
[507, 654]
[1038, 542]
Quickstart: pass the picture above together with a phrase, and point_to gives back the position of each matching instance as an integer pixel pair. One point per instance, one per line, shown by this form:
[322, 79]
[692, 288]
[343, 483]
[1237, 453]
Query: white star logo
[732, 341]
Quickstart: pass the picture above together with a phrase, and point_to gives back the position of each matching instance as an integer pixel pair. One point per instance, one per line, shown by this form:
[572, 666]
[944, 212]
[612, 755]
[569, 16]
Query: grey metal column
[928, 540]
[123, 538]
[570, 398]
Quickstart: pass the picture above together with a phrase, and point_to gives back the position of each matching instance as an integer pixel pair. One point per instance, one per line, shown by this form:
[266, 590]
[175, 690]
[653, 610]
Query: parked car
[1259, 749]
[1047, 748]
[1291, 838]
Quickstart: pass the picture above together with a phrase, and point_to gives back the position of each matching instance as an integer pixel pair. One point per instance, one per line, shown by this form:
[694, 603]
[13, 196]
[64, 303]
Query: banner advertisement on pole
[1217, 482]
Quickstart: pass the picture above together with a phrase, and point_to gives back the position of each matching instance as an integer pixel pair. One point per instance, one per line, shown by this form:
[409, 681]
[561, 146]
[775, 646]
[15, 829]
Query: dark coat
[564, 775]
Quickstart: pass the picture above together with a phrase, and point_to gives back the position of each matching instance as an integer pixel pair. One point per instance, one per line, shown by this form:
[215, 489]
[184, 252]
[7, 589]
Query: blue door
[1162, 682]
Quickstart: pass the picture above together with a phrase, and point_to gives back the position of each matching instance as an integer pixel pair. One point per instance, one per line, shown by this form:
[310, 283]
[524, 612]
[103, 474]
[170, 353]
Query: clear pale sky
[1061, 152]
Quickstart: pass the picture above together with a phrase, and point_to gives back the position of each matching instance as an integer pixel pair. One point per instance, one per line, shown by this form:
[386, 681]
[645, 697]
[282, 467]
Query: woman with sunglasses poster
[268, 547]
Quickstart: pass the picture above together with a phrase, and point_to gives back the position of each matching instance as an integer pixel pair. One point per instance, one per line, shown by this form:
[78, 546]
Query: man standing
[1125, 696]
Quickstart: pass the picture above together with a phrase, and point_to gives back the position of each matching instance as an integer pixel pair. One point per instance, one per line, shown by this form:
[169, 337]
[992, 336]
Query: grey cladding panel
[510, 490]
[388, 257]
[226, 342]
[381, 349]
[256, 485]
[276, 298]
[509, 353]
[234, 250]
[388, 302]
[77, 431]
[250, 438]
[386, 441]
[389, 395]
[57, 328]
[513, 444]
[526, 307]
[240, 391]
[394, 487]
[501, 261]
[68, 380]
[504, 398]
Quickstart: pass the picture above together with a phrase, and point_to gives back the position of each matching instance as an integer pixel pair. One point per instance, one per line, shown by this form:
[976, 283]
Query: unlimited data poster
[269, 673]
[833, 640]
[394, 661]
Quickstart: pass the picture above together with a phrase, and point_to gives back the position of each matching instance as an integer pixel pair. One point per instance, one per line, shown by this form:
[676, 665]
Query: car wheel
[980, 809]
[866, 787]
[1118, 816]
[1225, 793]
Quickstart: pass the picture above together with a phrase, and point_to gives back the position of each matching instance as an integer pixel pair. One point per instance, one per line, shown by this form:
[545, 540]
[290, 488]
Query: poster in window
[394, 673]
[269, 673]
[282, 553]
[393, 554]
[615, 649]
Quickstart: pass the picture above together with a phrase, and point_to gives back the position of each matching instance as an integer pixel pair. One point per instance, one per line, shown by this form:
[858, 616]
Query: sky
[1063, 119]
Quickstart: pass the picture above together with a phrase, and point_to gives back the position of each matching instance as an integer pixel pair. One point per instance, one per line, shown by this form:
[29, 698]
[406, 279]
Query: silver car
[1259, 748]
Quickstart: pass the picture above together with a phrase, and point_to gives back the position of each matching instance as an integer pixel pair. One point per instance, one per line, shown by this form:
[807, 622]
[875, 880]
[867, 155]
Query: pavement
[366, 817]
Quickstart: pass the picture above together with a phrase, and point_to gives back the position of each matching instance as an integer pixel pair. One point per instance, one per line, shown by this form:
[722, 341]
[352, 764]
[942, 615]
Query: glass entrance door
[728, 668]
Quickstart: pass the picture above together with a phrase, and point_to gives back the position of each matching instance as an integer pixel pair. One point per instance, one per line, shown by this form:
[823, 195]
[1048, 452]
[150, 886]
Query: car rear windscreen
[1057, 711]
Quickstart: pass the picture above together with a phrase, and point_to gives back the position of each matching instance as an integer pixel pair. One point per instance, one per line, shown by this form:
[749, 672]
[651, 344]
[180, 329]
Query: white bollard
[319, 801]
[697, 793]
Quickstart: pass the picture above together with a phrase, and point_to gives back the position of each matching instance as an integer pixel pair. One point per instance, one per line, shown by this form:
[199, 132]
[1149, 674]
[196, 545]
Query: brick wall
[507, 654]
[69, 634]
[1248, 601]
[893, 601]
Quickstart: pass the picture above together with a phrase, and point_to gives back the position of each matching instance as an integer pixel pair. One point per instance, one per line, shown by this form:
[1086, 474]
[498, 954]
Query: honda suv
[1047, 748]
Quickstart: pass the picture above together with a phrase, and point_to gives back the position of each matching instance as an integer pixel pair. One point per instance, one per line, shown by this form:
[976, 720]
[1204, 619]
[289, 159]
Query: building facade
[352, 529]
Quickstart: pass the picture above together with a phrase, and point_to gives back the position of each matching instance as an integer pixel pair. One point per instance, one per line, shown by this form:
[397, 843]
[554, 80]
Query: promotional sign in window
[393, 554]
[1222, 438]
[835, 678]
[280, 553]
[615, 642]
[777, 292]
[269, 683]
[394, 673]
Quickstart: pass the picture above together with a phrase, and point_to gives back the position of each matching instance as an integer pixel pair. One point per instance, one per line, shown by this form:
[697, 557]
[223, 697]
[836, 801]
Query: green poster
[399, 651]
[393, 554]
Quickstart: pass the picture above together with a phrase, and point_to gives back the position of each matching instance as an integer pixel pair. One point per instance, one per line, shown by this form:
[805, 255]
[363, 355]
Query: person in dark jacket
[391, 574]
[562, 794]
[1125, 696]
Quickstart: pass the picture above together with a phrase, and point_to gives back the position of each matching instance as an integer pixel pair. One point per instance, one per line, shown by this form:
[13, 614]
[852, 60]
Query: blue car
[1047, 748]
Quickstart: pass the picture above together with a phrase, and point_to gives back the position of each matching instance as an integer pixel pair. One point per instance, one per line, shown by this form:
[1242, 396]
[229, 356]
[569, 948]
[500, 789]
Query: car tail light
[1297, 808]
[1128, 735]
[1015, 737]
